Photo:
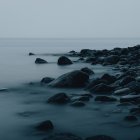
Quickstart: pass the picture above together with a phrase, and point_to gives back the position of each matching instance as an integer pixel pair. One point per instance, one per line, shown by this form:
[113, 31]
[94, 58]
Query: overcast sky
[69, 18]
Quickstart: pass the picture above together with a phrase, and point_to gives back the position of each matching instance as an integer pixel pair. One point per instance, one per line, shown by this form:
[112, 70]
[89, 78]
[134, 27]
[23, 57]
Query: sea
[23, 105]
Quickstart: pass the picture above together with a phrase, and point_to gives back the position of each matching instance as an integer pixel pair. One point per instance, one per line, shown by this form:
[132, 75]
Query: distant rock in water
[105, 99]
[100, 137]
[47, 80]
[45, 126]
[40, 61]
[62, 136]
[75, 78]
[78, 104]
[87, 70]
[63, 60]
[31, 54]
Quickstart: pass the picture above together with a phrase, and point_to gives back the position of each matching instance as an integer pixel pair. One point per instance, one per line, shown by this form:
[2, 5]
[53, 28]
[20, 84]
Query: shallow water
[25, 105]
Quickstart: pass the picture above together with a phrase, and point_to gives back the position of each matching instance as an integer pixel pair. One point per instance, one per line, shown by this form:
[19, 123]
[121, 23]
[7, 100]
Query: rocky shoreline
[121, 88]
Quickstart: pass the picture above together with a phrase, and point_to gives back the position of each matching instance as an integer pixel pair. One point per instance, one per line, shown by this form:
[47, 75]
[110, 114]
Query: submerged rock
[105, 99]
[100, 137]
[40, 61]
[87, 70]
[131, 118]
[75, 78]
[47, 80]
[45, 126]
[130, 98]
[63, 60]
[60, 98]
[63, 136]
[78, 104]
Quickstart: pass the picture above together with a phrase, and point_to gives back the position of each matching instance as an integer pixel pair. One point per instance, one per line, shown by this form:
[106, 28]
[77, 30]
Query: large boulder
[102, 89]
[63, 60]
[62, 136]
[40, 61]
[75, 78]
[60, 98]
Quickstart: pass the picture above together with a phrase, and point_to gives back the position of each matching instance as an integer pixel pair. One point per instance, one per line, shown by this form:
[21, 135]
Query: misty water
[24, 105]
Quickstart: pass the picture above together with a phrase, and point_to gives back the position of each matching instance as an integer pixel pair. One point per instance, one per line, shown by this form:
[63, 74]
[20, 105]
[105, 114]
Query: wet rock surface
[40, 61]
[63, 60]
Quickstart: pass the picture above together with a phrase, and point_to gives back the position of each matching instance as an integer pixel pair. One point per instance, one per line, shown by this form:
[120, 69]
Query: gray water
[17, 69]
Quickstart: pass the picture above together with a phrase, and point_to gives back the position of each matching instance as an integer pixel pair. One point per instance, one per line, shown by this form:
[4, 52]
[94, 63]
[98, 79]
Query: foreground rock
[105, 99]
[100, 137]
[75, 78]
[45, 126]
[63, 60]
[40, 61]
[109, 78]
[63, 136]
[60, 98]
[78, 104]
[47, 80]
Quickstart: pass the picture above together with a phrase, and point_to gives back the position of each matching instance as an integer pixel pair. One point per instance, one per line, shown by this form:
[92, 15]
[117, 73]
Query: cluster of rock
[122, 88]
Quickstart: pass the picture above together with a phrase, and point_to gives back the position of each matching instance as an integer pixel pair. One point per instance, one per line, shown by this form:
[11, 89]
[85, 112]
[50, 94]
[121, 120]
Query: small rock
[105, 99]
[130, 118]
[123, 91]
[40, 61]
[47, 80]
[63, 60]
[78, 104]
[100, 137]
[63, 136]
[60, 98]
[109, 78]
[45, 126]
[31, 54]
[87, 70]
[126, 80]
[102, 88]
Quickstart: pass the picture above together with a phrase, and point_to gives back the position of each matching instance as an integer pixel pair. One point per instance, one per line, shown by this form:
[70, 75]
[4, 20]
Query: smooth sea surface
[23, 106]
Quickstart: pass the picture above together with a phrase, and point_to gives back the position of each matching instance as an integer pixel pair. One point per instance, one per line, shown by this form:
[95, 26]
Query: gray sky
[69, 18]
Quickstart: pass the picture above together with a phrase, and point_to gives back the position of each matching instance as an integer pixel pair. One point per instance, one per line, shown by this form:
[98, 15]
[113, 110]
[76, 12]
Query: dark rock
[113, 59]
[102, 88]
[84, 98]
[123, 91]
[75, 78]
[63, 136]
[63, 60]
[135, 111]
[100, 137]
[95, 82]
[40, 61]
[78, 104]
[45, 126]
[87, 71]
[105, 99]
[91, 59]
[60, 98]
[130, 118]
[47, 80]
[109, 78]
[31, 54]
[130, 98]
[126, 80]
